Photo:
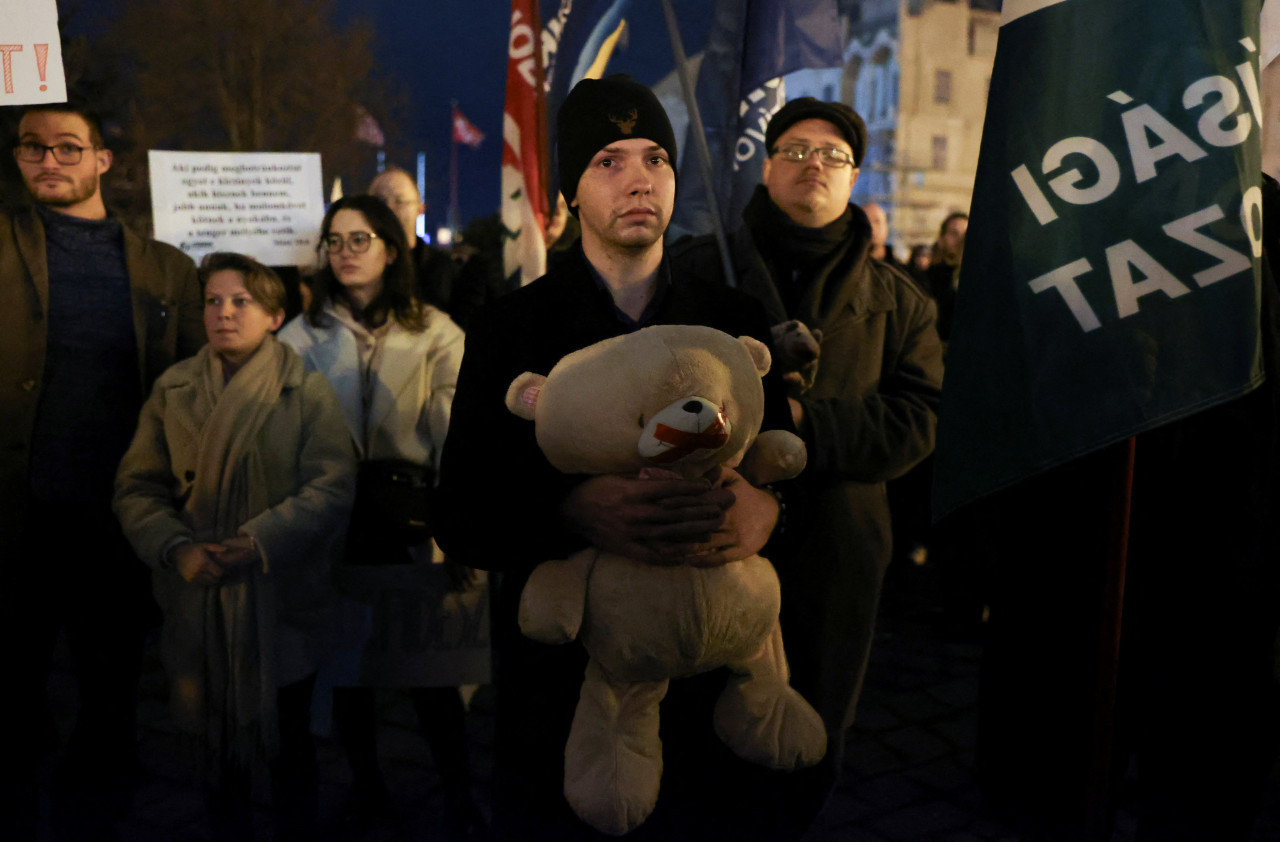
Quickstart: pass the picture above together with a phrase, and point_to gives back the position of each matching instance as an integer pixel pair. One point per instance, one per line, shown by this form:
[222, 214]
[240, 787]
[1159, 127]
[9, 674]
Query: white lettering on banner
[1125, 256]
[1063, 279]
[1212, 125]
[751, 140]
[520, 47]
[1150, 138]
[1230, 261]
[1036, 200]
[1144, 120]
[1251, 218]
[1067, 186]
[1156, 278]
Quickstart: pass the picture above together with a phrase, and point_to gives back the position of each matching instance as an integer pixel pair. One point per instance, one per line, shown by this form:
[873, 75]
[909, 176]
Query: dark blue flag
[1110, 280]
[752, 45]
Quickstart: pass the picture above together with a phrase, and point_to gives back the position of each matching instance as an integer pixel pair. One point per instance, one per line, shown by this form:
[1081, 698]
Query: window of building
[942, 87]
[939, 152]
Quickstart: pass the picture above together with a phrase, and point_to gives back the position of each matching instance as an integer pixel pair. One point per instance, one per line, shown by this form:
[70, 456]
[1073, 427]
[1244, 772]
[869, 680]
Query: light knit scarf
[219, 642]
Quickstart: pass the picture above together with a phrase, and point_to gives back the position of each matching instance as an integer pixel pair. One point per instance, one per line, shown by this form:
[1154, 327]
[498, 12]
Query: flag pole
[699, 140]
[1098, 815]
[455, 212]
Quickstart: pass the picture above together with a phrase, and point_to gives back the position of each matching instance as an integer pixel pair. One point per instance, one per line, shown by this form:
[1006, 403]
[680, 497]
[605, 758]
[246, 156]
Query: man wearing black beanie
[502, 507]
[866, 406]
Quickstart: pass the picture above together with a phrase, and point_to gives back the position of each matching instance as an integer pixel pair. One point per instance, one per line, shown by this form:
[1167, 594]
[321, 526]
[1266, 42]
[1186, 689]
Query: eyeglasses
[357, 241]
[828, 155]
[67, 154]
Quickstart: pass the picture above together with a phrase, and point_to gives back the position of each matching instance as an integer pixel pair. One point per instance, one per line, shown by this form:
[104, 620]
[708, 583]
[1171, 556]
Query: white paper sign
[30, 53]
[267, 205]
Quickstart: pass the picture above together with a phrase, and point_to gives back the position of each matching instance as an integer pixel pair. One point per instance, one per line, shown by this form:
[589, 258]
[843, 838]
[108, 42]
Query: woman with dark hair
[234, 491]
[394, 364]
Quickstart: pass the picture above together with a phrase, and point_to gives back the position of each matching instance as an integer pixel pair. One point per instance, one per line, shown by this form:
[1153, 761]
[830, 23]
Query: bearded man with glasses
[865, 399]
[92, 314]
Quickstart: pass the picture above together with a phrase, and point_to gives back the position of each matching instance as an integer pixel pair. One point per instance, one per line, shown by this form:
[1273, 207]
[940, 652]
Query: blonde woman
[235, 491]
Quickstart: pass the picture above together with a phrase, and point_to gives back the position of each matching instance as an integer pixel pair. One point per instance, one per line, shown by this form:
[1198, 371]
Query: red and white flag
[464, 131]
[367, 128]
[524, 148]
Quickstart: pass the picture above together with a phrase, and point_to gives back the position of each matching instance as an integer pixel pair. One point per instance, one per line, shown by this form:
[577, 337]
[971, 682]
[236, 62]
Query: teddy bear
[667, 398]
[797, 349]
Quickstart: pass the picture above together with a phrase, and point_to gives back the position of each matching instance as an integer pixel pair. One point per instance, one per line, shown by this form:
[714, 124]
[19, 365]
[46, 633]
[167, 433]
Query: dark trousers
[70, 569]
[1196, 700]
[441, 716]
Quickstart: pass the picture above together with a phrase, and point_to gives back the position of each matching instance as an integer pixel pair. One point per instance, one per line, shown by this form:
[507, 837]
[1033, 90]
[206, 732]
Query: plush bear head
[679, 397]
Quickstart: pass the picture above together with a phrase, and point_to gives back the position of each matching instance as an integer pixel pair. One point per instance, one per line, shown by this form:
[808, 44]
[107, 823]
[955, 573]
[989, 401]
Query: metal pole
[699, 140]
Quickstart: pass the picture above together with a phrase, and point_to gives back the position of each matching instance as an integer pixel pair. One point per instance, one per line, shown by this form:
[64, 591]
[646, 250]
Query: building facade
[918, 72]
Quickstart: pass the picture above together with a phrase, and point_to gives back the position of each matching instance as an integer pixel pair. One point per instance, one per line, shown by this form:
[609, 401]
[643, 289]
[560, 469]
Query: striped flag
[525, 207]
[464, 131]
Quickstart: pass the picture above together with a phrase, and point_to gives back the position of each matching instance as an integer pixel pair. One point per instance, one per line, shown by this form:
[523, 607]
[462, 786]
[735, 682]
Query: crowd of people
[172, 443]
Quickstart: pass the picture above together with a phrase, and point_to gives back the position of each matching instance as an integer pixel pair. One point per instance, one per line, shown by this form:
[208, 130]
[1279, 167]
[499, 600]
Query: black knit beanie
[598, 112]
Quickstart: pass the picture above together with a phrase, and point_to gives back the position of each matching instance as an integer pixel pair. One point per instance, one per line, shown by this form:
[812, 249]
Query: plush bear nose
[691, 426]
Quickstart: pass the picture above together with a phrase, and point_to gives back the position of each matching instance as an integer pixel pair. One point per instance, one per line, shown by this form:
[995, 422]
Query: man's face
[879, 224]
[812, 193]
[64, 187]
[400, 194]
[625, 195]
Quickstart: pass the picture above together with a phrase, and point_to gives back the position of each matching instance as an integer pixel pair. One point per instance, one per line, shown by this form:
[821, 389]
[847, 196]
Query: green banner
[1110, 280]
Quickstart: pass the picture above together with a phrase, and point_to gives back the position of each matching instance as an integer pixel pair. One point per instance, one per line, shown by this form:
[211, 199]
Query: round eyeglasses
[357, 241]
[828, 155]
[67, 154]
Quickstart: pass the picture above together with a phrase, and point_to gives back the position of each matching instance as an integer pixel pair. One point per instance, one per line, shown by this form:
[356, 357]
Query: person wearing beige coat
[236, 491]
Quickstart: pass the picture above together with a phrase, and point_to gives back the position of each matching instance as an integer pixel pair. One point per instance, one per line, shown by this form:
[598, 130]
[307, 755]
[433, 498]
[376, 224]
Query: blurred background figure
[435, 272]
[881, 248]
[234, 492]
[943, 273]
[394, 363]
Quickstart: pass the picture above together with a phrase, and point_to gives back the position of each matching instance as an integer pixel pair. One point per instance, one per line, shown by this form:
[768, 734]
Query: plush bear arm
[553, 601]
[775, 455]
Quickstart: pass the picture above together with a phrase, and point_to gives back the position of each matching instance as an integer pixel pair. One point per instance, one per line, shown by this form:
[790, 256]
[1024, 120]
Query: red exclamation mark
[42, 62]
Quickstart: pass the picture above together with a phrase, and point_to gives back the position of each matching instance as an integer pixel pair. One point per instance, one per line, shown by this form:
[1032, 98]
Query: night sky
[443, 50]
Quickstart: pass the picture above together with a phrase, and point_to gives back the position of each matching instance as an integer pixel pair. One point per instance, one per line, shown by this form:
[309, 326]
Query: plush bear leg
[763, 719]
[613, 760]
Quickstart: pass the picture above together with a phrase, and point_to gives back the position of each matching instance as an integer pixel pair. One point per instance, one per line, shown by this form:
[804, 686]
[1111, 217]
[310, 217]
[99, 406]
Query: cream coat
[408, 417]
[415, 380]
[306, 455]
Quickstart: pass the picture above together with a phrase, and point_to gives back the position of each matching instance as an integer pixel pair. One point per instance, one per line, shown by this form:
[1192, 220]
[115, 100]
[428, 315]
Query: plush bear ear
[522, 395]
[759, 353]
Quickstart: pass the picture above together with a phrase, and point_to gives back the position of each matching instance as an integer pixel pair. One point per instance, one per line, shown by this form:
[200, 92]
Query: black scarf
[795, 253]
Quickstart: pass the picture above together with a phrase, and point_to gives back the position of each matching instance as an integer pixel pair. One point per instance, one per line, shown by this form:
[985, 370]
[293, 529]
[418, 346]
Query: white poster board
[267, 205]
[30, 53]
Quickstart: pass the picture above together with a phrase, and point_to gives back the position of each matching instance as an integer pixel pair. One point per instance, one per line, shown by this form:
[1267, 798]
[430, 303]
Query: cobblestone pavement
[908, 778]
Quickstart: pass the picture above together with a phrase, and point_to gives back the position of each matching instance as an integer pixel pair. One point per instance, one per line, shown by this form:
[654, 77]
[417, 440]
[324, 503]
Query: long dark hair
[397, 279]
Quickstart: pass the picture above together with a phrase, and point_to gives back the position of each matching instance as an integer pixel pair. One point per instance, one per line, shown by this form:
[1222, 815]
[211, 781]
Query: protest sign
[268, 205]
[1110, 280]
[30, 53]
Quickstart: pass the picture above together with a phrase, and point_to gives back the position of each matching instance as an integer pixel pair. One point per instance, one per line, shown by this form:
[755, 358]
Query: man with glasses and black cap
[92, 313]
[867, 410]
[504, 508]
